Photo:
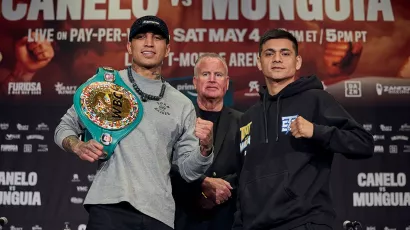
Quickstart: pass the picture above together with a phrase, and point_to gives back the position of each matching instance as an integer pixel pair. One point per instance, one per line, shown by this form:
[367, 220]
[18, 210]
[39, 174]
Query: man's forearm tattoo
[69, 142]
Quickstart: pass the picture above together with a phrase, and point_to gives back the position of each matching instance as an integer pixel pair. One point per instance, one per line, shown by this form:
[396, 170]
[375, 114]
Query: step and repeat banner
[359, 48]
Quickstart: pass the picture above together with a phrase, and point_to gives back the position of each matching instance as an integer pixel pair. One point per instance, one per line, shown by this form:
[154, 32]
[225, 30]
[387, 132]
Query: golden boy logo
[245, 136]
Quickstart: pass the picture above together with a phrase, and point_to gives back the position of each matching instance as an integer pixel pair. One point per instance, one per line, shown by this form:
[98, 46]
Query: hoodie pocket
[266, 197]
[303, 171]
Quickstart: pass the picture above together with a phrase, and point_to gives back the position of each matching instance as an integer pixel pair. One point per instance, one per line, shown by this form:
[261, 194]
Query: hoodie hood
[300, 85]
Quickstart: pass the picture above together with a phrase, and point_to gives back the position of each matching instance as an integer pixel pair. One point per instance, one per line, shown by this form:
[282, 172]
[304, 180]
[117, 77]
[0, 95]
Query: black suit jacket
[224, 165]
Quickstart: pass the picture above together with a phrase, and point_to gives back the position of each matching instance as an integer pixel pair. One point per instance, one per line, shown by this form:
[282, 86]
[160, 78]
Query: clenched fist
[341, 58]
[301, 127]
[32, 56]
[204, 131]
[88, 151]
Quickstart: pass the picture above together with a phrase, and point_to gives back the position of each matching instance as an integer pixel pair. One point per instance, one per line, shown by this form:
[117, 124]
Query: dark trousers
[222, 219]
[121, 216]
[311, 226]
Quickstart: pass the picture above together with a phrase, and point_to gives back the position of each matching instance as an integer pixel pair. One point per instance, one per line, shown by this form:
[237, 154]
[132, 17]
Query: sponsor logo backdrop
[360, 49]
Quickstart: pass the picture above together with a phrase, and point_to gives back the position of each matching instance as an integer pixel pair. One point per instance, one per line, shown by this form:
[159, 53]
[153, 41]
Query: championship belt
[108, 108]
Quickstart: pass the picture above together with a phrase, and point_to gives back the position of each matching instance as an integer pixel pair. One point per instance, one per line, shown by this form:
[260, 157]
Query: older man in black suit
[209, 203]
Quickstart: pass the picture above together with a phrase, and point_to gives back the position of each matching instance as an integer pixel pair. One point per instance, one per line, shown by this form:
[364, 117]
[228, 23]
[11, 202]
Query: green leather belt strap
[108, 108]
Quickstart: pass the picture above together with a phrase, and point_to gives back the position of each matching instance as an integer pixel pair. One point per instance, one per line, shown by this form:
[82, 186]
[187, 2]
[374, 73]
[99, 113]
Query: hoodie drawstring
[265, 122]
[277, 118]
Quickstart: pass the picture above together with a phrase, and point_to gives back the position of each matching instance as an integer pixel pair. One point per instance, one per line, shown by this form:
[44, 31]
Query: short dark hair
[277, 34]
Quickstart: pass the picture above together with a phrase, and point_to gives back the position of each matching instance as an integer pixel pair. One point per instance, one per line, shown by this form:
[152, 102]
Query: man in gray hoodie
[132, 189]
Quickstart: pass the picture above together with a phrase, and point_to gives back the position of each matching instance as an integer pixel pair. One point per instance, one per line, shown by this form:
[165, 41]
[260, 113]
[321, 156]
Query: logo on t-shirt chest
[162, 108]
[286, 121]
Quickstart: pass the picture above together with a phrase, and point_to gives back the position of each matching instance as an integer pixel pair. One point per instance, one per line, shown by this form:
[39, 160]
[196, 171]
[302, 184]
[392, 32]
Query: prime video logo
[189, 88]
